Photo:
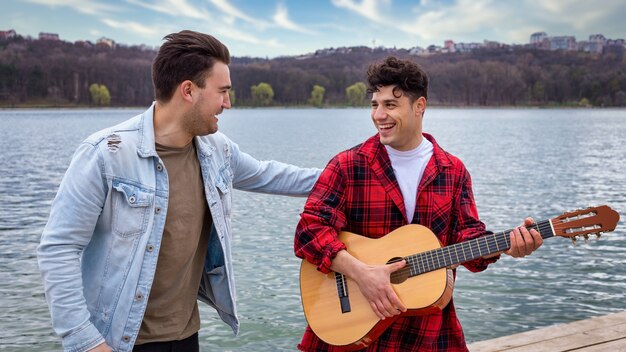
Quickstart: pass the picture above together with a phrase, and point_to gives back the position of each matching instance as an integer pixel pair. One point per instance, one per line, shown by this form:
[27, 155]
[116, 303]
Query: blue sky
[270, 28]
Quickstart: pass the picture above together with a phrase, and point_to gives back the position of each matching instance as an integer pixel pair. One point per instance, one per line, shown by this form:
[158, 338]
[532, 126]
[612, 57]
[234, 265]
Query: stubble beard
[196, 124]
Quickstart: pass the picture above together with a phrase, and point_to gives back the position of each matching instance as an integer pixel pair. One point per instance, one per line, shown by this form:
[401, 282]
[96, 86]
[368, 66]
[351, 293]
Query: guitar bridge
[342, 292]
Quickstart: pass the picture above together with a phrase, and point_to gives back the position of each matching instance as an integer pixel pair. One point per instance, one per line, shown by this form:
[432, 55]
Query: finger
[396, 302]
[396, 266]
[377, 311]
[386, 308]
[513, 250]
[528, 242]
[529, 221]
[538, 240]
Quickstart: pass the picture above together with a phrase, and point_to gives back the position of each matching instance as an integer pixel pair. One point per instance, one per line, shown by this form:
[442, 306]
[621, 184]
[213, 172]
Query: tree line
[61, 73]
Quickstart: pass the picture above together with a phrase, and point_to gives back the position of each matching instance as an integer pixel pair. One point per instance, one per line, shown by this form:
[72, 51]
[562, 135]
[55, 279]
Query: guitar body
[340, 315]
[423, 294]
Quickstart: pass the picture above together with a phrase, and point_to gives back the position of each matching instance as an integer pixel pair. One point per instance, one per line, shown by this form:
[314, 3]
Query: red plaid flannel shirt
[358, 192]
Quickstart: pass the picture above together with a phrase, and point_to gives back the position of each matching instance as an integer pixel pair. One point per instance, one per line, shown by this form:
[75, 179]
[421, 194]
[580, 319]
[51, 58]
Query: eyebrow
[386, 101]
[225, 87]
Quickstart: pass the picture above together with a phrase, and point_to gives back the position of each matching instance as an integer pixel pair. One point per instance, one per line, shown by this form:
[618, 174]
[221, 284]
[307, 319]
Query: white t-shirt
[409, 166]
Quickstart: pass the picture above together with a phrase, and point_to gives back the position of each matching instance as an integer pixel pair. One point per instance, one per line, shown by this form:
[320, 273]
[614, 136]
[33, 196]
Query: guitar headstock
[583, 222]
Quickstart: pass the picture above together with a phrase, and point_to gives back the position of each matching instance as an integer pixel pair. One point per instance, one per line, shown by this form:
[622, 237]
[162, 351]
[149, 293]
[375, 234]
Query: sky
[271, 28]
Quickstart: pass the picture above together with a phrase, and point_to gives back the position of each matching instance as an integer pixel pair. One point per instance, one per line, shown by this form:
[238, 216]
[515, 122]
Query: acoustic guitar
[341, 316]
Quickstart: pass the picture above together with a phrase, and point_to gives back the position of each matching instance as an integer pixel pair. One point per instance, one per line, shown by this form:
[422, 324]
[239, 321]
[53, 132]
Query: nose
[379, 113]
[226, 103]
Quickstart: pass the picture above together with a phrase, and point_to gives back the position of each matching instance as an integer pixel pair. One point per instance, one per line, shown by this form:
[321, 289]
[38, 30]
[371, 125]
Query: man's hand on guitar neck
[373, 281]
[523, 242]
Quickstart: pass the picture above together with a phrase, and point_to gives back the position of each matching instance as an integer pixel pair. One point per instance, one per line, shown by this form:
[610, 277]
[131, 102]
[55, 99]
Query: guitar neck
[468, 250]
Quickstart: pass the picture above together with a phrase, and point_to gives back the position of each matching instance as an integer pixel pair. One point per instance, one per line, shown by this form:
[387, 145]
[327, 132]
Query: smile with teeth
[386, 126]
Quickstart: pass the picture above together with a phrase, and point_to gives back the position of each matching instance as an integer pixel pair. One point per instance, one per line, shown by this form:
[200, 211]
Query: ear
[185, 89]
[420, 105]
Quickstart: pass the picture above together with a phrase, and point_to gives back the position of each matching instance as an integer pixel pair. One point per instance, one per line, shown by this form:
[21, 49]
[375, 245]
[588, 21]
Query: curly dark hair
[405, 75]
[186, 55]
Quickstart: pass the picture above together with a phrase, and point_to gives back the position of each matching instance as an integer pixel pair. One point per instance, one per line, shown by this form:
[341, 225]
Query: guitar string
[419, 263]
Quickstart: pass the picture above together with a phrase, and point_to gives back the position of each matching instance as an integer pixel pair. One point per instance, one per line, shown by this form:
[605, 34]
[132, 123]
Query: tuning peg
[586, 238]
[574, 239]
[598, 235]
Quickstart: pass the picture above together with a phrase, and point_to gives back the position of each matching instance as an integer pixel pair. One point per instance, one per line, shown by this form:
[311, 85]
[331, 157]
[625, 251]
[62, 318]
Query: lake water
[523, 162]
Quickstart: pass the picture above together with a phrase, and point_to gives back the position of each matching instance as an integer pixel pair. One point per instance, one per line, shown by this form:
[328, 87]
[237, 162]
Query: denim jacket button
[132, 199]
[159, 167]
[157, 210]
[126, 338]
[139, 296]
[150, 248]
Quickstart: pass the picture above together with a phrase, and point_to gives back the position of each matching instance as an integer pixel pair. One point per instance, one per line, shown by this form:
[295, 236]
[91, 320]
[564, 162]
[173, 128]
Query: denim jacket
[99, 249]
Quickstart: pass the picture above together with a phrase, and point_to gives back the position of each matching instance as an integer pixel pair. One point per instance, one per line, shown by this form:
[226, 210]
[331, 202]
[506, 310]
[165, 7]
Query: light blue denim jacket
[99, 249]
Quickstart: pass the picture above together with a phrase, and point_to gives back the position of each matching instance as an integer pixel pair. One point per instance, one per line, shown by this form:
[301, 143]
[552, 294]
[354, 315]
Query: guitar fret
[497, 246]
[431, 261]
[465, 251]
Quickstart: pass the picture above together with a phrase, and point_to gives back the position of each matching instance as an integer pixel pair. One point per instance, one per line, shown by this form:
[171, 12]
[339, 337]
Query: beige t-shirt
[172, 311]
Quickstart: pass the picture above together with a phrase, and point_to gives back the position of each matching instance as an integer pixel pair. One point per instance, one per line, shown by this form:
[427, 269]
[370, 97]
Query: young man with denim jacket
[141, 222]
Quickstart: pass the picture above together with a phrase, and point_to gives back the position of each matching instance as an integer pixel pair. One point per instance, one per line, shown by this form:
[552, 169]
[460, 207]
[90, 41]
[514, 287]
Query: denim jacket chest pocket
[224, 184]
[131, 206]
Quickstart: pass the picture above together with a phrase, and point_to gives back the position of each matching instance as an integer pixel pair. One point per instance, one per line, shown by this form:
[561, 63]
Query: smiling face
[208, 102]
[397, 119]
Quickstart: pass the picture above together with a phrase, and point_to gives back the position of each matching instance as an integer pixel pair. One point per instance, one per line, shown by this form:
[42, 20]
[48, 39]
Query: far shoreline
[27, 106]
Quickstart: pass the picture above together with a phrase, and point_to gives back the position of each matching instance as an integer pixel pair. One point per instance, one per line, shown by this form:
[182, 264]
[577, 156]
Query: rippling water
[523, 162]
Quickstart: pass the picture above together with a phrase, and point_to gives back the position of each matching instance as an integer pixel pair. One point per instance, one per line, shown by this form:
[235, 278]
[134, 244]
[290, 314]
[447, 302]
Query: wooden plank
[566, 337]
[617, 345]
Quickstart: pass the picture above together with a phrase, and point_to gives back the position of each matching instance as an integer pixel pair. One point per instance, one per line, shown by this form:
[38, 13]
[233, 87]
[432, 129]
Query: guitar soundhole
[400, 276]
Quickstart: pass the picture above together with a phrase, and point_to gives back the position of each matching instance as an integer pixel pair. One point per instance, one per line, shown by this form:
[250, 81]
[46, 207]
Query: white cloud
[232, 11]
[175, 8]
[281, 18]
[458, 20]
[89, 7]
[131, 26]
[367, 8]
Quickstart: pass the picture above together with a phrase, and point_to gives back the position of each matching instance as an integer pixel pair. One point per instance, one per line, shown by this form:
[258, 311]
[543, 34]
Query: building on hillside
[105, 43]
[467, 47]
[48, 36]
[538, 37]
[417, 50]
[448, 46]
[595, 44]
[614, 46]
[8, 34]
[540, 40]
[84, 44]
[563, 43]
[490, 44]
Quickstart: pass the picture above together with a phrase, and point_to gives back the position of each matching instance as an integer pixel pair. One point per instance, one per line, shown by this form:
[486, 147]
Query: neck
[168, 129]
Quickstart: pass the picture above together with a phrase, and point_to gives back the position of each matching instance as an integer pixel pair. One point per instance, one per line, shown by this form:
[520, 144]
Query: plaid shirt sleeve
[469, 225]
[316, 234]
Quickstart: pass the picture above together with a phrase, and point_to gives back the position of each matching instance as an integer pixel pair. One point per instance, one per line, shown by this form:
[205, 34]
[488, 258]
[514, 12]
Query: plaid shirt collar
[374, 151]
[379, 161]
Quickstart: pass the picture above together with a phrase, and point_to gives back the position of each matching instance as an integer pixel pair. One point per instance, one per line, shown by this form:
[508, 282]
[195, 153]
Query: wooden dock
[606, 333]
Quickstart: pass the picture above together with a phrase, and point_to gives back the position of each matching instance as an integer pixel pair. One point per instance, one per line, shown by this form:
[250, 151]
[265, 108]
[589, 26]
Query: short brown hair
[405, 75]
[186, 55]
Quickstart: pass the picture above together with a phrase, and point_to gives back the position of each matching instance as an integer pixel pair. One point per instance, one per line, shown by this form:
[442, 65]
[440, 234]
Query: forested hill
[61, 73]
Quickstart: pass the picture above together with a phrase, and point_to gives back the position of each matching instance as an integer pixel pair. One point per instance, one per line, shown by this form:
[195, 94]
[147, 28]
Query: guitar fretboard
[468, 250]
